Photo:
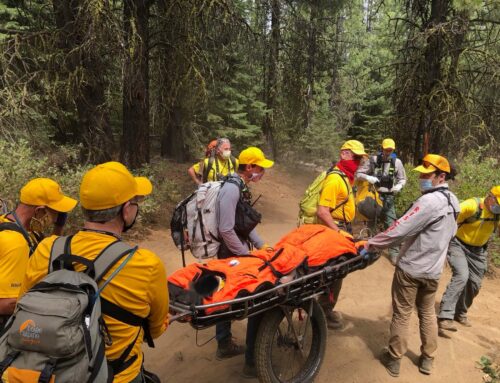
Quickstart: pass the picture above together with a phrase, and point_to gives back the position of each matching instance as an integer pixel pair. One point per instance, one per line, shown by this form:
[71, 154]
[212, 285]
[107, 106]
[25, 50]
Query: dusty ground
[352, 354]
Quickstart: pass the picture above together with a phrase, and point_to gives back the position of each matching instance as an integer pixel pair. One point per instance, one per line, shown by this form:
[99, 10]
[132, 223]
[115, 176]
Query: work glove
[397, 188]
[371, 179]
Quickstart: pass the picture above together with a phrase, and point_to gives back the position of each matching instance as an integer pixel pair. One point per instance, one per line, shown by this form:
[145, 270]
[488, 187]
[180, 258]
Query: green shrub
[477, 174]
[20, 163]
[491, 370]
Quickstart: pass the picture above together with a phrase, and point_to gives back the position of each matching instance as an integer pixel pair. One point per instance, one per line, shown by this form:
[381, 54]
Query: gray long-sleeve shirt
[425, 231]
[368, 167]
[228, 198]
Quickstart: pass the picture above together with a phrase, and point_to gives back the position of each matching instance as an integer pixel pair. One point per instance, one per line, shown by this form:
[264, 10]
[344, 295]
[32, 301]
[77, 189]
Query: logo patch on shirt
[15, 284]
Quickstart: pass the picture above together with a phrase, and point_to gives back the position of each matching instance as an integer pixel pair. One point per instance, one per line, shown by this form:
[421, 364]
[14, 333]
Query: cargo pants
[468, 265]
[408, 292]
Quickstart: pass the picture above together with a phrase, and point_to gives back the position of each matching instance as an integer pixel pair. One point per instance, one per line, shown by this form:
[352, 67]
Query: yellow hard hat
[495, 191]
[354, 146]
[388, 143]
[254, 156]
[111, 184]
[46, 192]
[433, 162]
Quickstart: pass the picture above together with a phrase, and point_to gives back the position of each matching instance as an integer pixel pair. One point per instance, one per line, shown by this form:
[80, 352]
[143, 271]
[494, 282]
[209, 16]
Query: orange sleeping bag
[305, 248]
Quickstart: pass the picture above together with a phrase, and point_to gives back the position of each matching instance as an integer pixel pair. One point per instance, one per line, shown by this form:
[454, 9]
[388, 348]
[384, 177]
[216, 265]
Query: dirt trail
[352, 354]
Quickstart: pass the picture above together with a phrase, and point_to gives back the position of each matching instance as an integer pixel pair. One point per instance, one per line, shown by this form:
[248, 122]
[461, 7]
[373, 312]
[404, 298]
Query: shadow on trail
[373, 332]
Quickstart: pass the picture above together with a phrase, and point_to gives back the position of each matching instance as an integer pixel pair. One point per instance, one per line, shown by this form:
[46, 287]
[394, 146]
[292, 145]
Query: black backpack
[387, 180]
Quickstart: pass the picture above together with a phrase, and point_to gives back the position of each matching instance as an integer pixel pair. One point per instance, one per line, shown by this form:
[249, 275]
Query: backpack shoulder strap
[11, 226]
[342, 175]
[60, 247]
[235, 181]
[479, 210]
[109, 256]
[206, 169]
[378, 164]
[393, 163]
[448, 198]
[232, 162]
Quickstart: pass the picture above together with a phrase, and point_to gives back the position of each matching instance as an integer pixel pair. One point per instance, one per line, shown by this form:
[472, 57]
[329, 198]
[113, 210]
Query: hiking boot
[149, 377]
[334, 320]
[391, 364]
[249, 372]
[443, 333]
[463, 321]
[425, 365]
[446, 324]
[228, 348]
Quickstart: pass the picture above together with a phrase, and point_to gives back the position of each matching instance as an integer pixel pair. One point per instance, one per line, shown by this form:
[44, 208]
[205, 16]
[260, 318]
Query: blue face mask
[425, 184]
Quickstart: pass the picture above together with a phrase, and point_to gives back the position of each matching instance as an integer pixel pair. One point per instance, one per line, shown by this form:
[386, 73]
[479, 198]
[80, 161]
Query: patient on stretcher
[302, 251]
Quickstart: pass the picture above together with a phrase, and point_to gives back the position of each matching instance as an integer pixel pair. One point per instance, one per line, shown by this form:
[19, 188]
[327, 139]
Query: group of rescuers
[436, 227]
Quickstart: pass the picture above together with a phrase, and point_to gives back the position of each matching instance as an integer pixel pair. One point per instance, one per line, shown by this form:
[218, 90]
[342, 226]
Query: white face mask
[256, 177]
[226, 154]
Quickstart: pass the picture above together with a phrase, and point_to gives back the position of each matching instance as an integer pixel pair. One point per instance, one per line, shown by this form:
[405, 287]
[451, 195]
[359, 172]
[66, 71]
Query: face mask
[256, 177]
[130, 225]
[226, 154]
[42, 224]
[495, 209]
[425, 184]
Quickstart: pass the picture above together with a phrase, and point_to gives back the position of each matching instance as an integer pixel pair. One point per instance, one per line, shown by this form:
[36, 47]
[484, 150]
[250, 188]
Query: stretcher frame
[292, 293]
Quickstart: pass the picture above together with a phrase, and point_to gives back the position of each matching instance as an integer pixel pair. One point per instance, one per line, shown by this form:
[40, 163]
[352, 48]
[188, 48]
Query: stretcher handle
[174, 318]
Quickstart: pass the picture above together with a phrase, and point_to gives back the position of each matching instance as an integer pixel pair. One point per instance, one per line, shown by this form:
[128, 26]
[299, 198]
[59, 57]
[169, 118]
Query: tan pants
[406, 293]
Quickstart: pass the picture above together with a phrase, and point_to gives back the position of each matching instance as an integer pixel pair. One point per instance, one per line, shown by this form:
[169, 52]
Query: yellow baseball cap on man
[432, 163]
[354, 146]
[495, 192]
[388, 143]
[111, 184]
[46, 192]
[254, 156]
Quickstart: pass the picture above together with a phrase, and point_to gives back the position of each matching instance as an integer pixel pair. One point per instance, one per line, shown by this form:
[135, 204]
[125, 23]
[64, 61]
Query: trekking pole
[254, 202]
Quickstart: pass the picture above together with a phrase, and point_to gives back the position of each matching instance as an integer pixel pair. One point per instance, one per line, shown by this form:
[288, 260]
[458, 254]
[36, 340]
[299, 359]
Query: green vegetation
[491, 370]
[21, 163]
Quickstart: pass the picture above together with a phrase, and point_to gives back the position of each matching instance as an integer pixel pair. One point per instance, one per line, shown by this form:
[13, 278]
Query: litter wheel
[290, 344]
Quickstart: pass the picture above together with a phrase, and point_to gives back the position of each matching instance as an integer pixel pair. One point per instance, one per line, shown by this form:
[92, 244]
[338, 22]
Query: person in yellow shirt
[336, 209]
[218, 164]
[467, 255]
[110, 197]
[41, 205]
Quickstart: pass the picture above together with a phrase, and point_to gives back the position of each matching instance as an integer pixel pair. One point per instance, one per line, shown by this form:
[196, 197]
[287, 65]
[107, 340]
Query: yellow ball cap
[495, 191]
[354, 146]
[388, 143]
[111, 184]
[46, 192]
[433, 162]
[254, 156]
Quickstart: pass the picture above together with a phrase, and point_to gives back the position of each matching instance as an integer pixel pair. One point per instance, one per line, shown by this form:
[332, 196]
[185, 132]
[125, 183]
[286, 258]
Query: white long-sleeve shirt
[425, 231]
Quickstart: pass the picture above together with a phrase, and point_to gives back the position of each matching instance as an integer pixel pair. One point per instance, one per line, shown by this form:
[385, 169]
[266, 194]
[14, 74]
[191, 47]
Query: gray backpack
[56, 332]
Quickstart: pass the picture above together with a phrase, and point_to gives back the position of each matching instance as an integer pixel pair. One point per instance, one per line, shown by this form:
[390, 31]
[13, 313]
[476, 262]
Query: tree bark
[272, 75]
[431, 75]
[90, 98]
[135, 138]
